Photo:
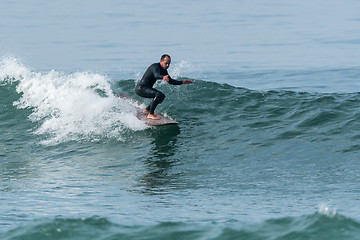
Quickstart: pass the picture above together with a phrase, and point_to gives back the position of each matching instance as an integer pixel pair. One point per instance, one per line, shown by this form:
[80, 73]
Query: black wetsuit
[145, 87]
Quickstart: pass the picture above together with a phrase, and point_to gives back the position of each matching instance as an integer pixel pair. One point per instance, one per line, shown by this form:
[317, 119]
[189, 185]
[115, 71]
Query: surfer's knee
[159, 96]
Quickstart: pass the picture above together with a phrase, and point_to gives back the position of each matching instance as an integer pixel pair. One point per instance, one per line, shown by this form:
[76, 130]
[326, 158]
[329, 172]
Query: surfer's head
[165, 61]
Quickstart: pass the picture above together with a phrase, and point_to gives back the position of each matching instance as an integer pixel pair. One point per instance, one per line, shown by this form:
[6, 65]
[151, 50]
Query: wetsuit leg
[157, 96]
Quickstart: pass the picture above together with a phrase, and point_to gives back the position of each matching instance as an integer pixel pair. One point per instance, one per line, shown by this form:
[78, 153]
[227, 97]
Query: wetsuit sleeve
[157, 72]
[174, 82]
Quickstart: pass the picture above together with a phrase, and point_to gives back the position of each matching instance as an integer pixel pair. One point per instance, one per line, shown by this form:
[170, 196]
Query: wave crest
[304, 227]
[70, 106]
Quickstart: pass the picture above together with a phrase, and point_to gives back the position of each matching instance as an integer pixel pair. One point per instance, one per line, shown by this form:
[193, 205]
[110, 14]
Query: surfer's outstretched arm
[171, 81]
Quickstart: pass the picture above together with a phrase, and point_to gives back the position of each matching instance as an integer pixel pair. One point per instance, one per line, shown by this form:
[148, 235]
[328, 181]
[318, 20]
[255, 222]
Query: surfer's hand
[166, 78]
[186, 81]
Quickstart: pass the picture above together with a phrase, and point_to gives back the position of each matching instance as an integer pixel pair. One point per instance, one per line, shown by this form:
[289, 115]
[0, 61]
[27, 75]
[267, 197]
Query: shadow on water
[160, 160]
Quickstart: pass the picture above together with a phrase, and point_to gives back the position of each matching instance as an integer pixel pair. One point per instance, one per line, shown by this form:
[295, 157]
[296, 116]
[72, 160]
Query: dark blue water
[267, 144]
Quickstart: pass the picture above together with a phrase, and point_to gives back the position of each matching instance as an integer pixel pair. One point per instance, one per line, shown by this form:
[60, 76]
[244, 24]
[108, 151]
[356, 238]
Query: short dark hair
[164, 56]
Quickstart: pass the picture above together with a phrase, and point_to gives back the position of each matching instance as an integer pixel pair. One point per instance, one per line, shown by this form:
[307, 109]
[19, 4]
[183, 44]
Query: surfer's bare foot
[152, 116]
[146, 112]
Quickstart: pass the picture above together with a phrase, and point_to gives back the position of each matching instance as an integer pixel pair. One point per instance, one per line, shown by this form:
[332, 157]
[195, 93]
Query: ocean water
[268, 141]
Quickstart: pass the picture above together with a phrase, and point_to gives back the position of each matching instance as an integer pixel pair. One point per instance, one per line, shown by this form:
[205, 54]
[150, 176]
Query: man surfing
[145, 87]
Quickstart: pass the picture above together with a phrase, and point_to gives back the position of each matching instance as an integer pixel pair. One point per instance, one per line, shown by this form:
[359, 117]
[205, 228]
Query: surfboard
[143, 117]
[151, 122]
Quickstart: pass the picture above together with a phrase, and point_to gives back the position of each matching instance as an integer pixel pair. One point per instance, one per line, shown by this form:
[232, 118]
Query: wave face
[80, 106]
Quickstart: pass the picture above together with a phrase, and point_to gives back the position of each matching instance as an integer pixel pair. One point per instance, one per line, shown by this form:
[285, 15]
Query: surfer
[145, 87]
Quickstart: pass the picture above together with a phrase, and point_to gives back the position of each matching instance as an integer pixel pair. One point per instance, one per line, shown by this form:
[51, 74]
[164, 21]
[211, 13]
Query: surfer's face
[165, 64]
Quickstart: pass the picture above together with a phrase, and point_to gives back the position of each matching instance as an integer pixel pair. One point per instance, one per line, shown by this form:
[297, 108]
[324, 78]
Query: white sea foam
[326, 210]
[76, 106]
[181, 67]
